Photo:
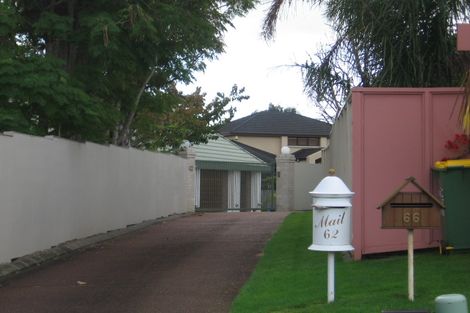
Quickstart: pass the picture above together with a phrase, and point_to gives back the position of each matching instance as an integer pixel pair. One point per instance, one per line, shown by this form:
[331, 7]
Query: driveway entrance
[190, 264]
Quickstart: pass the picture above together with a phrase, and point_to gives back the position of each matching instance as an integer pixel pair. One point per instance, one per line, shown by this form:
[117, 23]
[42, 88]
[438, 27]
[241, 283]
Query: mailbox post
[331, 222]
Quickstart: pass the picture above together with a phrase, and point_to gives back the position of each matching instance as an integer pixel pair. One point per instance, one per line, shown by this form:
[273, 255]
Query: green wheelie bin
[454, 180]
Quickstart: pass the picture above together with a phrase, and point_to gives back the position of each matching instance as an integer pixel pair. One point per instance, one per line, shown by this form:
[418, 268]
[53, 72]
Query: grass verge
[291, 279]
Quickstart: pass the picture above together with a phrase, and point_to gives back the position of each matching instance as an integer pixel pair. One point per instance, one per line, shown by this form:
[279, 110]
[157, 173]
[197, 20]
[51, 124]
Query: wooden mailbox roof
[411, 180]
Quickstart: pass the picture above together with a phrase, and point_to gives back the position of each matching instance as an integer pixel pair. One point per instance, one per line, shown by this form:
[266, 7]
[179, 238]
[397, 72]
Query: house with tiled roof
[271, 130]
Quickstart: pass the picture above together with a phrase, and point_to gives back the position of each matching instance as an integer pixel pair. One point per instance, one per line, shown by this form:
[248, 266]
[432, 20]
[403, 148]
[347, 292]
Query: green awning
[222, 154]
[233, 166]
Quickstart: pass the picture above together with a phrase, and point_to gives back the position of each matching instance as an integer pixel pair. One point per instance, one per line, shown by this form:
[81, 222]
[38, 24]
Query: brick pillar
[190, 157]
[285, 182]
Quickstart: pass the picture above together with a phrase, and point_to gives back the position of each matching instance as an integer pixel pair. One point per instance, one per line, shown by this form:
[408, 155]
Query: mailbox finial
[331, 172]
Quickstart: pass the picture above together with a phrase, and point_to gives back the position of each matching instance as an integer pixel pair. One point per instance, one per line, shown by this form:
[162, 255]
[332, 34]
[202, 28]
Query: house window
[303, 141]
[313, 141]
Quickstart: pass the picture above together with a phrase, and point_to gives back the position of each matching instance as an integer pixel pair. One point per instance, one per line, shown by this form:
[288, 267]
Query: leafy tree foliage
[98, 69]
[382, 43]
[278, 108]
[190, 119]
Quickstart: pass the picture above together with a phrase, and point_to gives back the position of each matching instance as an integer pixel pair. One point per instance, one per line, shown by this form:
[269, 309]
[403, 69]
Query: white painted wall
[306, 178]
[54, 190]
[338, 155]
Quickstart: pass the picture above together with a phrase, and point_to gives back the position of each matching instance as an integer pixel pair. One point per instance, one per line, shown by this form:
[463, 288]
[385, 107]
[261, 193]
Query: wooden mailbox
[409, 210]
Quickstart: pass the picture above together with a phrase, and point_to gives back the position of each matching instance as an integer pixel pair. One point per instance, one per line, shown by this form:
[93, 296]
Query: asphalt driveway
[190, 264]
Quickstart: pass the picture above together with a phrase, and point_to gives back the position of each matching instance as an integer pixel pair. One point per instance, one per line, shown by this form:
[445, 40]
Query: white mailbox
[331, 215]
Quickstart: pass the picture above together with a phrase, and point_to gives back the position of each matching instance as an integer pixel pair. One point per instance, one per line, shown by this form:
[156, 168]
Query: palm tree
[382, 43]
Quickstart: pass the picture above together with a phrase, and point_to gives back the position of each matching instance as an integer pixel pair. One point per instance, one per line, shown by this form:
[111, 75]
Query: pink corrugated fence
[396, 133]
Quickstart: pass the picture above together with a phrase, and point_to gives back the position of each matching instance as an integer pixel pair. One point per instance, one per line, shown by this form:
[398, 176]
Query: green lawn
[289, 278]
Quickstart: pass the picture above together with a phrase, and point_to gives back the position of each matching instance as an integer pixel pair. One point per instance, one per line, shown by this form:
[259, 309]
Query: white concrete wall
[54, 190]
[338, 155]
[306, 178]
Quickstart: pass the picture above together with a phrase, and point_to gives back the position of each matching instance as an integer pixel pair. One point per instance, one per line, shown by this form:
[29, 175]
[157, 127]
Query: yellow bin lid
[453, 163]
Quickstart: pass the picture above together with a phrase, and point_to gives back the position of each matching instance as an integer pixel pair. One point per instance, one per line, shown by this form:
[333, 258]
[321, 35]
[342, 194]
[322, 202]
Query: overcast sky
[263, 67]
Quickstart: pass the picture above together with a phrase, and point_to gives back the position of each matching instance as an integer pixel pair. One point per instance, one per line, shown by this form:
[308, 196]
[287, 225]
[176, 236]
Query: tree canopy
[278, 108]
[381, 43]
[105, 70]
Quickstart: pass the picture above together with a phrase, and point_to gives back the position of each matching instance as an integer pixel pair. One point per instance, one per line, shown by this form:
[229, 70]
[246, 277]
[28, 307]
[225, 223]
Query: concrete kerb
[43, 257]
